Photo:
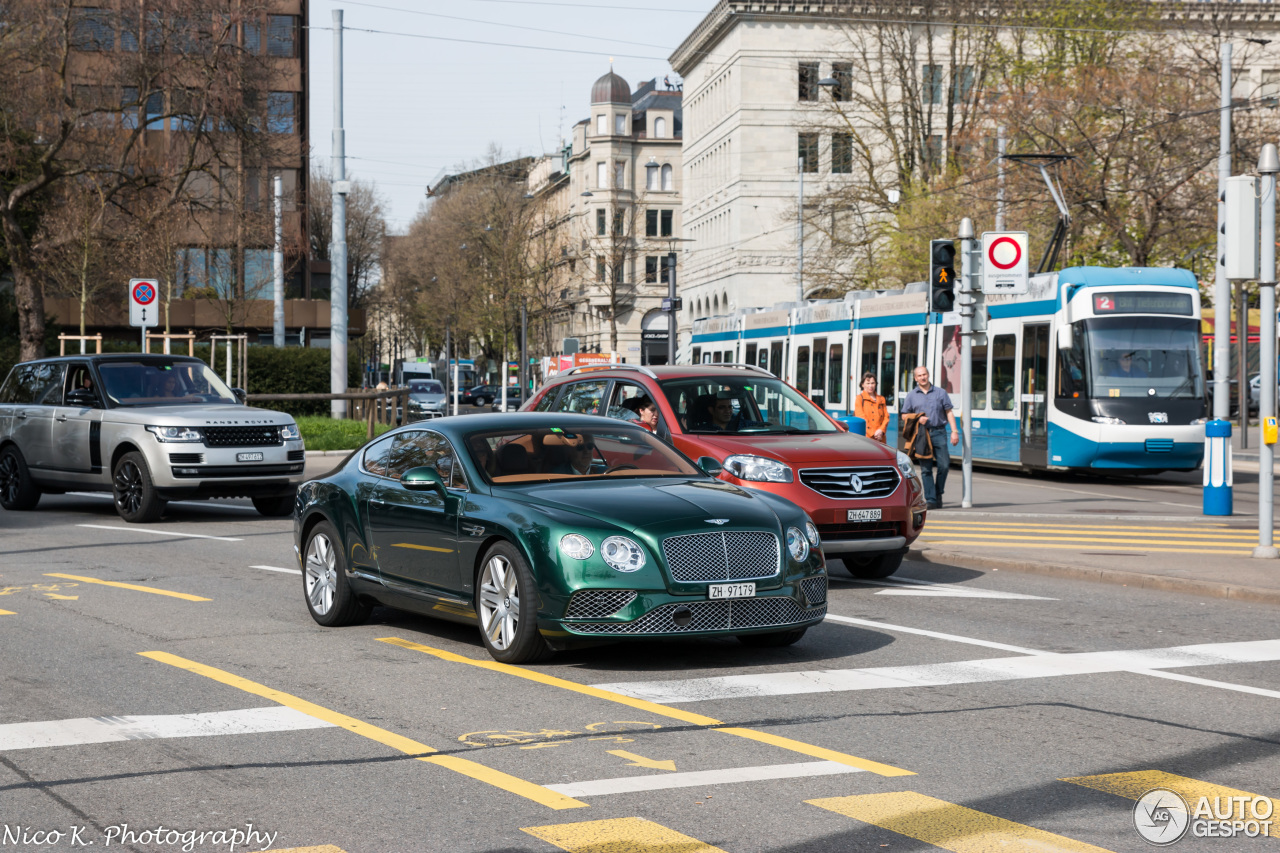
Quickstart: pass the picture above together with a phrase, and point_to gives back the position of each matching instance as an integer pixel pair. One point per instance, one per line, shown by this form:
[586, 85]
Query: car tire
[507, 606]
[276, 507]
[17, 490]
[325, 588]
[136, 498]
[874, 566]
[481, 402]
[772, 640]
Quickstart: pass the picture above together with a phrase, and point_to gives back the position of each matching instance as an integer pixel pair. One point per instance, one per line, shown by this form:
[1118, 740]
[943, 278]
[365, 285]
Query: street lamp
[672, 304]
[1268, 166]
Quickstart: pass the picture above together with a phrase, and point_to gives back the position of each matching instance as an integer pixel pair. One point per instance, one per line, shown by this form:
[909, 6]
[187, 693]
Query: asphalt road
[168, 675]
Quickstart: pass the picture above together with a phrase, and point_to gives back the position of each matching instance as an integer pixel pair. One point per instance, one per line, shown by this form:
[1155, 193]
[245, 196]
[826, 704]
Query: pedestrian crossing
[1085, 534]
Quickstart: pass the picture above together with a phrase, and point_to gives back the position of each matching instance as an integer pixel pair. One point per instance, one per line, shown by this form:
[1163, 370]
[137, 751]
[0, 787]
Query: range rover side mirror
[710, 466]
[423, 479]
[82, 398]
[240, 395]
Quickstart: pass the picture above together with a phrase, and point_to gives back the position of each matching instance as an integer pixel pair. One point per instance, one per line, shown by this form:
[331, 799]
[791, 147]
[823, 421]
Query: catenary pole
[800, 238]
[338, 239]
[1268, 165]
[1221, 286]
[671, 315]
[966, 359]
[277, 265]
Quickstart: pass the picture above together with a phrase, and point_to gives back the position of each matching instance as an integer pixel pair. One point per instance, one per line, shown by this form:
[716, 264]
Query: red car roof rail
[587, 368]
[757, 368]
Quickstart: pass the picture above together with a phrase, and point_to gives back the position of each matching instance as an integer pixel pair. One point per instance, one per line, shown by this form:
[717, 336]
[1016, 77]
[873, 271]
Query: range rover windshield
[746, 406]
[162, 383]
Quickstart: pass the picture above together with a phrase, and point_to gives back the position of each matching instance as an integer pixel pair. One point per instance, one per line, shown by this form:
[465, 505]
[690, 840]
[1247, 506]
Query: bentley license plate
[731, 590]
[864, 515]
[248, 457]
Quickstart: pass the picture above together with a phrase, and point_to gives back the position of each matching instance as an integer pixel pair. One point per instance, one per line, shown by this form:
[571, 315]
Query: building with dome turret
[607, 212]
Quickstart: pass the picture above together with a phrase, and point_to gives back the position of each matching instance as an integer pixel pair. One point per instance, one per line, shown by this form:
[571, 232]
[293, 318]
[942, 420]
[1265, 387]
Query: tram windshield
[1138, 356]
[747, 405]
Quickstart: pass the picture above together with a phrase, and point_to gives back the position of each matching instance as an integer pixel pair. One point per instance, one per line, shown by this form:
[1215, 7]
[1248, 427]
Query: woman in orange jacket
[870, 406]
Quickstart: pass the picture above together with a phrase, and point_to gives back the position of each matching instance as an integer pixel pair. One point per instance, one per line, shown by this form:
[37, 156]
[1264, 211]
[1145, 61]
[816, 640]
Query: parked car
[1235, 396]
[480, 395]
[514, 400]
[148, 429]
[551, 531]
[865, 498]
[426, 399]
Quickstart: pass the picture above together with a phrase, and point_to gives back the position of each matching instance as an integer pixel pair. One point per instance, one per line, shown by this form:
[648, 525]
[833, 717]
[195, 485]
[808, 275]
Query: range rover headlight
[290, 432]
[758, 469]
[622, 554]
[167, 433]
[811, 533]
[575, 546]
[797, 544]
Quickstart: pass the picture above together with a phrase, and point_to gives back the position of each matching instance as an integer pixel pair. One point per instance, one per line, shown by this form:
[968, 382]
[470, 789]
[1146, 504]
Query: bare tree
[366, 231]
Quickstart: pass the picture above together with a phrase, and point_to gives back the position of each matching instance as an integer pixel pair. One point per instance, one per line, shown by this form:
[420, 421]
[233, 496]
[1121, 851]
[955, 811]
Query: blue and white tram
[1094, 369]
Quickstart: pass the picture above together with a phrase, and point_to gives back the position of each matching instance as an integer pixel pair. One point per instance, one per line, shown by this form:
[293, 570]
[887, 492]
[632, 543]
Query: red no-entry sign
[1004, 262]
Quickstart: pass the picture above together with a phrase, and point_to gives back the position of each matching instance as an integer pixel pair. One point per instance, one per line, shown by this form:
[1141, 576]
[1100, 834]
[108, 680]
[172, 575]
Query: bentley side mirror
[82, 398]
[240, 395]
[710, 466]
[424, 479]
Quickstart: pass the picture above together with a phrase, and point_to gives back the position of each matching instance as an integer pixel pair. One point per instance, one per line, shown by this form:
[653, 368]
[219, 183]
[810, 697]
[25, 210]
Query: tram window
[870, 346]
[949, 375]
[763, 356]
[909, 359]
[835, 375]
[697, 355]
[887, 358]
[775, 359]
[1071, 374]
[1004, 372]
[802, 370]
[751, 354]
[819, 370]
[978, 362]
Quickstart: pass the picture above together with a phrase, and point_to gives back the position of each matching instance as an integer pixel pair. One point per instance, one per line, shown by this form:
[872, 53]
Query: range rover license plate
[257, 457]
[731, 590]
[864, 515]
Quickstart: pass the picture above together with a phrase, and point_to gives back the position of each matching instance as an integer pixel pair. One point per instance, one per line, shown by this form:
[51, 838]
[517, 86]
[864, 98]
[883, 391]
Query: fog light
[682, 616]
[917, 519]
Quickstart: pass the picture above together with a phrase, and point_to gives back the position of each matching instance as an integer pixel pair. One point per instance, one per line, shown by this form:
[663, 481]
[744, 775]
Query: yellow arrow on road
[62, 597]
[634, 760]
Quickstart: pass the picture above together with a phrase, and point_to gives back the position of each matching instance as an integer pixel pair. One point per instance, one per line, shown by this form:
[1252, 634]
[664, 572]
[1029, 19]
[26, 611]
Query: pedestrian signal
[942, 275]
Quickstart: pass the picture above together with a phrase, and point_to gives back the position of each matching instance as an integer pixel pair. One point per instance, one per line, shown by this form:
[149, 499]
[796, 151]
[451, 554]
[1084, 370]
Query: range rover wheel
[873, 566]
[330, 600]
[17, 491]
[137, 501]
[277, 507]
[772, 640]
[507, 604]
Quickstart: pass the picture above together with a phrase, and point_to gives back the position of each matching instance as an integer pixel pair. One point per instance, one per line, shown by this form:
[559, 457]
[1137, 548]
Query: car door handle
[61, 418]
[376, 501]
[22, 416]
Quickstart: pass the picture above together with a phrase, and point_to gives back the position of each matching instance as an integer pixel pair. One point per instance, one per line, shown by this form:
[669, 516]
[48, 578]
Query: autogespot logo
[1161, 816]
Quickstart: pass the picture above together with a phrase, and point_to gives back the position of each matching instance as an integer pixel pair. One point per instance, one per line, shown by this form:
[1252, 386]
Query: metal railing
[373, 407]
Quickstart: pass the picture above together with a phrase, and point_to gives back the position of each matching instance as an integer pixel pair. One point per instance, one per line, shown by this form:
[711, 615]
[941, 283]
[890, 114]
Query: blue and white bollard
[856, 425]
[1217, 468]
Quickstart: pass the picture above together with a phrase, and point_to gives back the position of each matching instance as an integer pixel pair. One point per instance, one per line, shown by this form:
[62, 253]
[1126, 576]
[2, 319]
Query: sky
[414, 106]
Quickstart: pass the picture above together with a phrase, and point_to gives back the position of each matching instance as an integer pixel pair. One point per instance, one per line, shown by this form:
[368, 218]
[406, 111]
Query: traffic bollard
[856, 425]
[1217, 467]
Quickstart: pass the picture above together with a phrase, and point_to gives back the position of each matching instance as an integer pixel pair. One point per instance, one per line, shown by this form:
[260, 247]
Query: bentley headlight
[575, 546]
[164, 433]
[811, 533]
[622, 554]
[290, 432]
[797, 544]
[904, 465]
[758, 469]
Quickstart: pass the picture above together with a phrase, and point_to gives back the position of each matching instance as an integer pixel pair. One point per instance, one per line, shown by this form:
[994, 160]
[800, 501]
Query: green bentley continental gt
[552, 531]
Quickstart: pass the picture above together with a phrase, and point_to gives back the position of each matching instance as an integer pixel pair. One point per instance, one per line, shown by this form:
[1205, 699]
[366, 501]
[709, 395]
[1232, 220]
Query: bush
[324, 433]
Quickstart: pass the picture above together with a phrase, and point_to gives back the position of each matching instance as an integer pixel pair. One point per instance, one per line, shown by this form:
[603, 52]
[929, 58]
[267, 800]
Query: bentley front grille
[730, 555]
[847, 483]
[814, 589]
[739, 613]
[598, 603]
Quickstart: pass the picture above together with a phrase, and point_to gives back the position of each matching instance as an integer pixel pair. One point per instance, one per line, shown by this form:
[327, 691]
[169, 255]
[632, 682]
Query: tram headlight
[1200, 422]
[1098, 419]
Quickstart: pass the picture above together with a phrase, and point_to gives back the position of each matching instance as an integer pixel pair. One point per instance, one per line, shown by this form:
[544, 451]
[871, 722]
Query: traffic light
[942, 275]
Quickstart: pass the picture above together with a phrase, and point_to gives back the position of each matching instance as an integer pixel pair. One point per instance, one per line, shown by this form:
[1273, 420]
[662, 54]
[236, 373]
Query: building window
[843, 74]
[666, 223]
[808, 89]
[288, 188]
[841, 153]
[619, 175]
[659, 128]
[252, 37]
[620, 124]
[1270, 88]
[664, 268]
[155, 111]
[599, 269]
[618, 227]
[281, 112]
[651, 270]
[651, 223]
[92, 30]
[258, 271]
[129, 107]
[600, 220]
[602, 175]
[931, 84]
[808, 151]
[933, 151]
[962, 86]
[651, 177]
[668, 178]
[282, 36]
[183, 108]
[619, 274]
[602, 125]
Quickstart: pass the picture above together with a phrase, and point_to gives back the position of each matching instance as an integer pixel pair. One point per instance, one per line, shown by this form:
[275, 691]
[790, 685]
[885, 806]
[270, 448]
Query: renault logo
[717, 520]
[855, 482]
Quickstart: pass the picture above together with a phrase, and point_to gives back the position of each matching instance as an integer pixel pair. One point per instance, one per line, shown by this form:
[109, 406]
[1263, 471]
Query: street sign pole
[143, 309]
[1268, 166]
[967, 299]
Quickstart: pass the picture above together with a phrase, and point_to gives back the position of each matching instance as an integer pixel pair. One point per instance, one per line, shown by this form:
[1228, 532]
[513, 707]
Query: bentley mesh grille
[876, 482]
[711, 616]
[814, 589]
[725, 556]
[242, 436]
[598, 603]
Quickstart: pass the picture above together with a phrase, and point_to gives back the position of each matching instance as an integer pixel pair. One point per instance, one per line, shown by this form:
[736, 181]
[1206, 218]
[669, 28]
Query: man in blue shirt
[934, 405]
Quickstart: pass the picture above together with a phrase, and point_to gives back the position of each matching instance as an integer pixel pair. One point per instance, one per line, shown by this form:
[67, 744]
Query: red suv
[864, 497]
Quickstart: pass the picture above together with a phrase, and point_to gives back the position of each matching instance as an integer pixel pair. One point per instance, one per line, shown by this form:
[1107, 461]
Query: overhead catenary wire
[494, 43]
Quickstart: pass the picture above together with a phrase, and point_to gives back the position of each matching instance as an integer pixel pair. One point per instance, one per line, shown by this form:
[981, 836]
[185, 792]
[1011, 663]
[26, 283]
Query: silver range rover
[147, 428]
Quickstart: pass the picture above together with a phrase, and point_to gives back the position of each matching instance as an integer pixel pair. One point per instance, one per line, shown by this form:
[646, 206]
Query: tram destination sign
[1143, 303]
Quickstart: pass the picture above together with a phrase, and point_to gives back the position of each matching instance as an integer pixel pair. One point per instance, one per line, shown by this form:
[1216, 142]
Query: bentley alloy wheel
[505, 603]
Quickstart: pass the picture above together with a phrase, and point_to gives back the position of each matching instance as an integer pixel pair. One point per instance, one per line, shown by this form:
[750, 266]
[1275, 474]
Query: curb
[1187, 586]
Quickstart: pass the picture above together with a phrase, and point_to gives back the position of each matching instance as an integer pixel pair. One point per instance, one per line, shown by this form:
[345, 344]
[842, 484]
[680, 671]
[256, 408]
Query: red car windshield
[749, 405]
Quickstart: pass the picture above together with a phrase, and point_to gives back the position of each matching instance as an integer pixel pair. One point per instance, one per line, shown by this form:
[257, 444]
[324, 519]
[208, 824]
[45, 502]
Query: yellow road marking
[1089, 538]
[62, 597]
[323, 848]
[655, 708]
[184, 596]
[634, 760]
[479, 772]
[7, 613]
[1086, 522]
[620, 835]
[421, 547]
[1132, 786]
[1097, 531]
[946, 825]
[1109, 543]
